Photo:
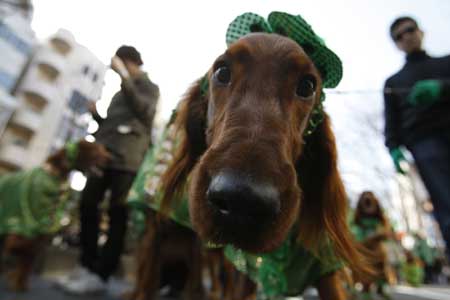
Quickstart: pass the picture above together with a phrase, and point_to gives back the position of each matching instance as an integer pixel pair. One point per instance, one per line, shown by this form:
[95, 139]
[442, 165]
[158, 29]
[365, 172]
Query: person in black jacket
[126, 134]
[417, 116]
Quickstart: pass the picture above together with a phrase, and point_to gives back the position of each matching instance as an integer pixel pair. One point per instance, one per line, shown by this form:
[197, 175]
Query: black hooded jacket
[405, 123]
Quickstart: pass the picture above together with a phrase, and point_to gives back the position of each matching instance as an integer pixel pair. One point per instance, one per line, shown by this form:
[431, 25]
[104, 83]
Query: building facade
[45, 95]
[17, 41]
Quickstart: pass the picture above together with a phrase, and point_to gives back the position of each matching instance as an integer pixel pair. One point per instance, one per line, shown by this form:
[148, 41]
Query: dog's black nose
[237, 196]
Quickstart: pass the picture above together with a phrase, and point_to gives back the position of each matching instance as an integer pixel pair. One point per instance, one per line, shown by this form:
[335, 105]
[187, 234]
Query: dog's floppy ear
[190, 124]
[323, 210]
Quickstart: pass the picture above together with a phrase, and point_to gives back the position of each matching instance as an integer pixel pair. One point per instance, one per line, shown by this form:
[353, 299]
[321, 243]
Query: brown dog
[252, 173]
[169, 255]
[374, 227]
[25, 242]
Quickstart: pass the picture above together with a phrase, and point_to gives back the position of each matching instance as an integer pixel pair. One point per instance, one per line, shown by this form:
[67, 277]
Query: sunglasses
[399, 36]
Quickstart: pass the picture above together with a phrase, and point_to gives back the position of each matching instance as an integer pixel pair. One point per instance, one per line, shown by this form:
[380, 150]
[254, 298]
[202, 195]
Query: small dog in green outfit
[32, 203]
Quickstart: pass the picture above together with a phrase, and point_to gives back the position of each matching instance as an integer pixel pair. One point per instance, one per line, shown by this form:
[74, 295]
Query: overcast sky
[180, 39]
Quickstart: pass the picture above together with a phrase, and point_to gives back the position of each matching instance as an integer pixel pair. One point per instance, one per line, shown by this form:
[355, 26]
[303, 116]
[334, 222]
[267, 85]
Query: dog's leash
[388, 91]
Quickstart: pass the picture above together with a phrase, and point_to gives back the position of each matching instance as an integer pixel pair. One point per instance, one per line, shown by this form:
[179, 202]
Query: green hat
[296, 28]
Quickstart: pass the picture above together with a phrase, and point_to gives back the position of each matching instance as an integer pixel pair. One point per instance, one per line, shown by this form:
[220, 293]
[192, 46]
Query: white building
[16, 43]
[60, 79]
[22, 7]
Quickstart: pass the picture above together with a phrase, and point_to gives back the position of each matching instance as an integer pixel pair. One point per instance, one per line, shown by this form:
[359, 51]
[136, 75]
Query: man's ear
[190, 124]
[323, 211]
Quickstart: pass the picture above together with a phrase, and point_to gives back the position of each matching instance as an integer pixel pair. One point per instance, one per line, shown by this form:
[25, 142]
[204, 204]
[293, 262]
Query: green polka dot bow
[296, 28]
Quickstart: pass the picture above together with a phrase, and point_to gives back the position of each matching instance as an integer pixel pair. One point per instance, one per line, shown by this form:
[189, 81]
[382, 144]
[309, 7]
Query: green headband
[71, 149]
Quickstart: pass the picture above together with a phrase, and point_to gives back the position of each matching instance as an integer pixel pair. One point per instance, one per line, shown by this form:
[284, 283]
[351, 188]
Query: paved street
[41, 289]
[409, 293]
[60, 261]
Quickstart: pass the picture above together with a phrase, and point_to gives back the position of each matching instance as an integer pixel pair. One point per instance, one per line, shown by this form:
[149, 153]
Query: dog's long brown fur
[26, 249]
[166, 242]
[255, 125]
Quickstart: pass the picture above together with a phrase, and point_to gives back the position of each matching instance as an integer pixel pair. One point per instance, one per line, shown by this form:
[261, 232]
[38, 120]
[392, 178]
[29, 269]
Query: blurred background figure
[33, 203]
[412, 269]
[371, 228]
[428, 257]
[126, 134]
[417, 110]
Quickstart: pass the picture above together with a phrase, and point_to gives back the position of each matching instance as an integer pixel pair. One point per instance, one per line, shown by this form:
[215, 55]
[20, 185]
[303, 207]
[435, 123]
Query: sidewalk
[43, 289]
[57, 262]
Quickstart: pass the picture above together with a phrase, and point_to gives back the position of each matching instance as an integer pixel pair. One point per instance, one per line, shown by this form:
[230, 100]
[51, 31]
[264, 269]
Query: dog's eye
[306, 86]
[223, 75]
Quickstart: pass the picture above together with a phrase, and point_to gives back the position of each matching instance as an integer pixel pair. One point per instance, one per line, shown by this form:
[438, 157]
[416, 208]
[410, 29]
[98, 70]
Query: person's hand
[425, 92]
[119, 67]
[399, 159]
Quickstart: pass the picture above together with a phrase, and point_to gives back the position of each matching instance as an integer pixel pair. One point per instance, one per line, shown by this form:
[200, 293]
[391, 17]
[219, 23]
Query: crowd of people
[417, 110]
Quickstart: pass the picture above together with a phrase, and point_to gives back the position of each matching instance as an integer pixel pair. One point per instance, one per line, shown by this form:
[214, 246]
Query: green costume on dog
[289, 269]
[31, 203]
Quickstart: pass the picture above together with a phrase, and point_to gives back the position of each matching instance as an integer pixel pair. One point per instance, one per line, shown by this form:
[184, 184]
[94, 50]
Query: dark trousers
[105, 260]
[432, 157]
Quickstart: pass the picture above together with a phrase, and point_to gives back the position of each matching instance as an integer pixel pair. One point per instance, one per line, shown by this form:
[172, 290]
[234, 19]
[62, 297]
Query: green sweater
[31, 203]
